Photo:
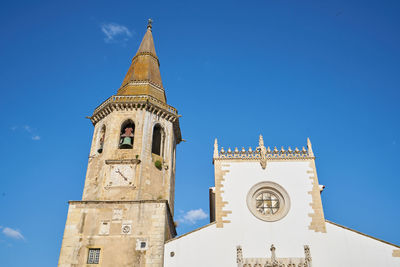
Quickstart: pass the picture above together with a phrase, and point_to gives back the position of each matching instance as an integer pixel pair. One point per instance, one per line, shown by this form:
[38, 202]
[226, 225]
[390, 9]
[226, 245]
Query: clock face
[126, 229]
[121, 175]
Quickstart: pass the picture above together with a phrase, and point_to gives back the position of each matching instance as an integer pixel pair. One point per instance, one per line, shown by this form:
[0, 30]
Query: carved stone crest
[273, 261]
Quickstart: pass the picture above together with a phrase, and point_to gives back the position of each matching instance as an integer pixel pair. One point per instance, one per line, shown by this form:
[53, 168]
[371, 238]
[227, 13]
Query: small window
[157, 144]
[94, 256]
[141, 245]
[127, 135]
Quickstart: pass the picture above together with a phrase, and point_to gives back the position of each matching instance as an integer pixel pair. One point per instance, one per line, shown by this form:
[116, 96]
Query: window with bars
[93, 256]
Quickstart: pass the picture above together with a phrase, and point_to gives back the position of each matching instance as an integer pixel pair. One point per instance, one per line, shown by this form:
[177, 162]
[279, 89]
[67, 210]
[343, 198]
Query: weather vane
[149, 26]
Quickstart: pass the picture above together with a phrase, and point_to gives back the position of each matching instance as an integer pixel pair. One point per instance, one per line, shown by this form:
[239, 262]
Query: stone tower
[126, 212]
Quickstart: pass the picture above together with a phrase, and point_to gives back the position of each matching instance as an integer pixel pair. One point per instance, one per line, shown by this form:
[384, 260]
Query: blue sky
[234, 69]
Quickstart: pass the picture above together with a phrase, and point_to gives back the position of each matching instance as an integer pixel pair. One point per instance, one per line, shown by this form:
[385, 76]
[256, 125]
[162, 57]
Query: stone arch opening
[157, 146]
[127, 135]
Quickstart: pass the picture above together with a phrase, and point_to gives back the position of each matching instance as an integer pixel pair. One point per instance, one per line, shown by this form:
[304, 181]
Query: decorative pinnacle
[309, 147]
[273, 255]
[261, 141]
[215, 148]
[149, 24]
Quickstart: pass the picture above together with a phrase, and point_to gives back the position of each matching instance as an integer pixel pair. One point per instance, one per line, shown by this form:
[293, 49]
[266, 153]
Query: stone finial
[309, 148]
[216, 148]
[263, 151]
[273, 256]
[149, 24]
[260, 141]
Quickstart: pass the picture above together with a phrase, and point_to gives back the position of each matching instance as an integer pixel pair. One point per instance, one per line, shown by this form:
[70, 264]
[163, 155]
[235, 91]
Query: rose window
[267, 203]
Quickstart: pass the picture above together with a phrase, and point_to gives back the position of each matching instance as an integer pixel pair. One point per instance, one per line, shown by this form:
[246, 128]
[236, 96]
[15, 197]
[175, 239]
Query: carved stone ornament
[273, 261]
[239, 255]
[263, 152]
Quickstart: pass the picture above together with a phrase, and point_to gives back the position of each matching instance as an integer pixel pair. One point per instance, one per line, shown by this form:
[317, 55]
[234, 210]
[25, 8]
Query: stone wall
[116, 227]
[148, 181]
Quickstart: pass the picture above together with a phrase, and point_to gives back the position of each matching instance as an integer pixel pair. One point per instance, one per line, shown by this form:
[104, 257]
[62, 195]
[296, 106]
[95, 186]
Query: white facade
[216, 244]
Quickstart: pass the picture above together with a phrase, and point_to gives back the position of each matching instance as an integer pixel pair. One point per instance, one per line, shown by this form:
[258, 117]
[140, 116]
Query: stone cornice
[134, 102]
[122, 161]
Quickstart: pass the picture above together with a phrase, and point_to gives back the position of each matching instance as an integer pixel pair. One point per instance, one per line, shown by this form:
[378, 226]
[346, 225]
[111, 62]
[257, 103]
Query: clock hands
[120, 173]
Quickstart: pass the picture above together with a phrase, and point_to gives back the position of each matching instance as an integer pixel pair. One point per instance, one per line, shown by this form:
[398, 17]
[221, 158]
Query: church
[265, 205]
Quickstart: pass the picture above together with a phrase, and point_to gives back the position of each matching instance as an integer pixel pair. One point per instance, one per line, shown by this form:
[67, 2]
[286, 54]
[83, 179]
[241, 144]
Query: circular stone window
[268, 201]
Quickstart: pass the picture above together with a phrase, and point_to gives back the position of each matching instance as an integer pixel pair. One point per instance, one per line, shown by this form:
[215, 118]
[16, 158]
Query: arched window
[127, 135]
[101, 139]
[158, 140]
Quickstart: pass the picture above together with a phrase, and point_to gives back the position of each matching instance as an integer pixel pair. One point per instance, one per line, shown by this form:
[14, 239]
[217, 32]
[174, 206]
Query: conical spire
[143, 77]
[147, 44]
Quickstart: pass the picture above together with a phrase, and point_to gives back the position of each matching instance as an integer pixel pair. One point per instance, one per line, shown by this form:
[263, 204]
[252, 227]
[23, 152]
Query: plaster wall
[216, 246]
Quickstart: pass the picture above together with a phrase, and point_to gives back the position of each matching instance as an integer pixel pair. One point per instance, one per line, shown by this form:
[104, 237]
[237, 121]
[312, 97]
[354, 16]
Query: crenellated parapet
[263, 154]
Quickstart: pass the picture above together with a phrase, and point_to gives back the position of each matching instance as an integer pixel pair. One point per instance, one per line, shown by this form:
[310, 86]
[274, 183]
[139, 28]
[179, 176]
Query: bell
[126, 142]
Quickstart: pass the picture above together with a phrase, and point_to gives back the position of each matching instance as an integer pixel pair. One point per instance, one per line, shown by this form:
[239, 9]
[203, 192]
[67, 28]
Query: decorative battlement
[262, 153]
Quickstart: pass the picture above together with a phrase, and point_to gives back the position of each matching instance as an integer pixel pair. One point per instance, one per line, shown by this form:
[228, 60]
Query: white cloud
[28, 128]
[16, 234]
[192, 216]
[115, 32]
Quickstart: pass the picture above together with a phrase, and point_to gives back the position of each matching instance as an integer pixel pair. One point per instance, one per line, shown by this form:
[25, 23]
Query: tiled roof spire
[143, 77]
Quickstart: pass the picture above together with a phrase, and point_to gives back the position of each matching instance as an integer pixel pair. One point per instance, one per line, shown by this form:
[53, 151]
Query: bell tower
[126, 212]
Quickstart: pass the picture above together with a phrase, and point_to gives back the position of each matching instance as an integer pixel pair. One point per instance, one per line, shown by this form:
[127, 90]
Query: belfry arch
[157, 144]
[127, 135]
